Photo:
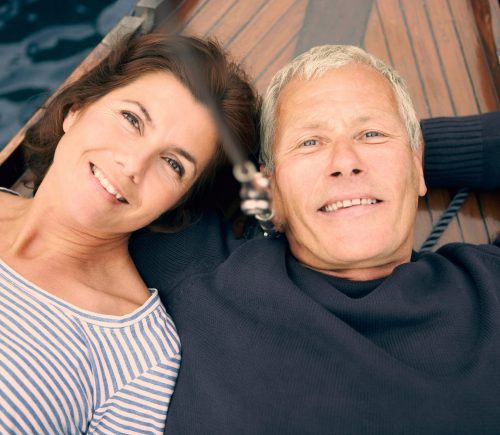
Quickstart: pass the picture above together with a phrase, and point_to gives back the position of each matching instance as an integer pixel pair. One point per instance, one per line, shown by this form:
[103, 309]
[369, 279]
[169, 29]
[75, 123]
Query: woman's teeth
[106, 184]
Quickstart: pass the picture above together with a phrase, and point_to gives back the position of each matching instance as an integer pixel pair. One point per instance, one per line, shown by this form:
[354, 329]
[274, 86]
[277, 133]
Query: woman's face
[130, 156]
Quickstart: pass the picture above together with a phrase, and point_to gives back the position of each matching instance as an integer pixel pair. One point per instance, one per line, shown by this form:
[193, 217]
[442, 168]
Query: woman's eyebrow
[186, 155]
[143, 109]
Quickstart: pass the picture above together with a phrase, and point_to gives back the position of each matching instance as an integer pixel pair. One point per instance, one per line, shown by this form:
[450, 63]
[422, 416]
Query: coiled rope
[444, 220]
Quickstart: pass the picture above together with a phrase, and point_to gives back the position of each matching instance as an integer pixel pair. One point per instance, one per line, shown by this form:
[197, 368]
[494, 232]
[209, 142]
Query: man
[336, 327]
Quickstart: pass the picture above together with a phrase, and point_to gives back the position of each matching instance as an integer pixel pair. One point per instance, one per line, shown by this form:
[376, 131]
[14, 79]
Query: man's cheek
[279, 214]
[279, 217]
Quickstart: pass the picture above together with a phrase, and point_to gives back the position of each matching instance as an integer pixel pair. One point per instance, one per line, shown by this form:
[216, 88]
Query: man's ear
[419, 166]
[70, 118]
[263, 169]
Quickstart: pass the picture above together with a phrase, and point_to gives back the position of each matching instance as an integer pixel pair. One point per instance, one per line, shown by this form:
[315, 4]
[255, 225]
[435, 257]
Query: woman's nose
[132, 163]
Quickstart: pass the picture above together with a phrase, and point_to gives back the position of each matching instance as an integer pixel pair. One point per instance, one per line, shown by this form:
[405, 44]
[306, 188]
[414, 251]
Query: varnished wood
[334, 22]
[487, 16]
[437, 46]
[272, 42]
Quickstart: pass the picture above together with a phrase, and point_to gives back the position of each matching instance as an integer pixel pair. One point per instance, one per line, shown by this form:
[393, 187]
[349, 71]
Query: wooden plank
[236, 19]
[490, 206]
[401, 51]
[487, 17]
[207, 16]
[181, 16]
[253, 32]
[334, 22]
[451, 57]
[471, 221]
[474, 229]
[283, 58]
[439, 200]
[285, 29]
[187, 9]
[374, 41]
[431, 73]
[473, 52]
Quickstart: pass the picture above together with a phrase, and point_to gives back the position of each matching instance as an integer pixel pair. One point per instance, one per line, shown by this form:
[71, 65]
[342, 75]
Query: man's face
[346, 182]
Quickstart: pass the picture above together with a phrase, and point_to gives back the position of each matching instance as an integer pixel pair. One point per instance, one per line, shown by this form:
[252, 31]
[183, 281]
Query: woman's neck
[90, 271]
[38, 231]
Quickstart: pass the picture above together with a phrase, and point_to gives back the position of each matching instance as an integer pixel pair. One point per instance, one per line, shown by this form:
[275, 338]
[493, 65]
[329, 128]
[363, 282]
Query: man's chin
[349, 259]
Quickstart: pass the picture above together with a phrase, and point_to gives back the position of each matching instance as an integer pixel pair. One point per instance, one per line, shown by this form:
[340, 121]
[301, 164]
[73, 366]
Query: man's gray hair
[313, 64]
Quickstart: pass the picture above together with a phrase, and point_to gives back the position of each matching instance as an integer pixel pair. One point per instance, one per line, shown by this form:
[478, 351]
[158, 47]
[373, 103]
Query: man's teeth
[106, 184]
[348, 203]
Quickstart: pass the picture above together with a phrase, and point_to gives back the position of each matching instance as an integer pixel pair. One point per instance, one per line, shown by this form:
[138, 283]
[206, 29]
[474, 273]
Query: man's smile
[345, 203]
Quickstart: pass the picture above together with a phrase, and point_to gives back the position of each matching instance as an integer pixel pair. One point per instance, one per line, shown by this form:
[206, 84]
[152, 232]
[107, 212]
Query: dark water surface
[41, 42]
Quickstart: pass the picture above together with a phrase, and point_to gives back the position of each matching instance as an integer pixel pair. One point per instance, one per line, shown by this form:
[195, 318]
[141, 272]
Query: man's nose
[344, 158]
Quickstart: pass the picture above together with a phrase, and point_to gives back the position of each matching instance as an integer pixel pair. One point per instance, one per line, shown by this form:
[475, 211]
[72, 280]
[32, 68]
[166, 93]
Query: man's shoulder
[487, 248]
[479, 257]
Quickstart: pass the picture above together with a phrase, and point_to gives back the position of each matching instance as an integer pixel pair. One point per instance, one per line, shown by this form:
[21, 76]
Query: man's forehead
[351, 87]
[359, 74]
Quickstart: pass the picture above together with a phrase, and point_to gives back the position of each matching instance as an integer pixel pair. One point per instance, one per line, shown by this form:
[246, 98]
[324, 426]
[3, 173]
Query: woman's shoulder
[10, 203]
[10, 196]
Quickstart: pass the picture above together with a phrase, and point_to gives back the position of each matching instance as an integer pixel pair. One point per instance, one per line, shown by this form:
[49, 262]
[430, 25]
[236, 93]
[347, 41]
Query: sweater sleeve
[163, 260]
[462, 151]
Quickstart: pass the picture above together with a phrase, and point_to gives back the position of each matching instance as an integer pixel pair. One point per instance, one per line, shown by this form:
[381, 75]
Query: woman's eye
[175, 165]
[132, 119]
[309, 142]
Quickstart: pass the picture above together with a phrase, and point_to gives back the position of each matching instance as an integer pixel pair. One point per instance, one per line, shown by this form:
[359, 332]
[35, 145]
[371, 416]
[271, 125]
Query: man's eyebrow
[143, 109]
[364, 118]
[310, 126]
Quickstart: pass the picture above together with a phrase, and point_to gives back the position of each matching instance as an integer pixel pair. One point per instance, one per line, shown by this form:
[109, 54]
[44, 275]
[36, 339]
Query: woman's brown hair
[225, 84]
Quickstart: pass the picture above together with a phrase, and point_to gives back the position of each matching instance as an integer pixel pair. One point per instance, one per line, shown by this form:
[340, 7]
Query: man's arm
[462, 151]
[164, 259]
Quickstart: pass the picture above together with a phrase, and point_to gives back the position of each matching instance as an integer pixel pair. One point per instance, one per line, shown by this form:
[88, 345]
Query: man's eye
[175, 165]
[309, 142]
[132, 119]
[373, 134]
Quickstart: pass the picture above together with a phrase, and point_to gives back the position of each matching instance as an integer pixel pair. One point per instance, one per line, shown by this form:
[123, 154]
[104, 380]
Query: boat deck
[451, 67]
[435, 45]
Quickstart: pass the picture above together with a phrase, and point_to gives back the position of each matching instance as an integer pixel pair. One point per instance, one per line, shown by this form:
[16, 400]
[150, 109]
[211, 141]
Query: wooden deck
[434, 44]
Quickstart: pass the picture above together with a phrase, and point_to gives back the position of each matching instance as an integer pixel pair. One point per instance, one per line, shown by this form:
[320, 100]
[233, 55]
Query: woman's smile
[106, 184]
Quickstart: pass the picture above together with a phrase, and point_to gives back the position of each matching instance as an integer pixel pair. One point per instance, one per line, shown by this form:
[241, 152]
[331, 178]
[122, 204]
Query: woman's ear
[70, 118]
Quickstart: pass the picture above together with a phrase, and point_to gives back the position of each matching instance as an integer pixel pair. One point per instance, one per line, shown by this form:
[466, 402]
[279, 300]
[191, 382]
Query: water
[41, 42]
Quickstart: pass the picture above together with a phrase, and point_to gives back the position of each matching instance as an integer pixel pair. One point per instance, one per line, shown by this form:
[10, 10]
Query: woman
[85, 346]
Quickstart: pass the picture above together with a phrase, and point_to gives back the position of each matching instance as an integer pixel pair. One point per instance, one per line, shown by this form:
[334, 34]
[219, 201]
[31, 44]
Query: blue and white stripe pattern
[64, 370]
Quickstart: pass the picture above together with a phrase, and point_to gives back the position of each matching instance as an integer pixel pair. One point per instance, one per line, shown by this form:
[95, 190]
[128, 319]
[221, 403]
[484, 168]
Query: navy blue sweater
[272, 347]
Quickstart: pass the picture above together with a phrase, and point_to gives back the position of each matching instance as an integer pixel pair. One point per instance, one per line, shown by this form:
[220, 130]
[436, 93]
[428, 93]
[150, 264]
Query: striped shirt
[64, 370]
